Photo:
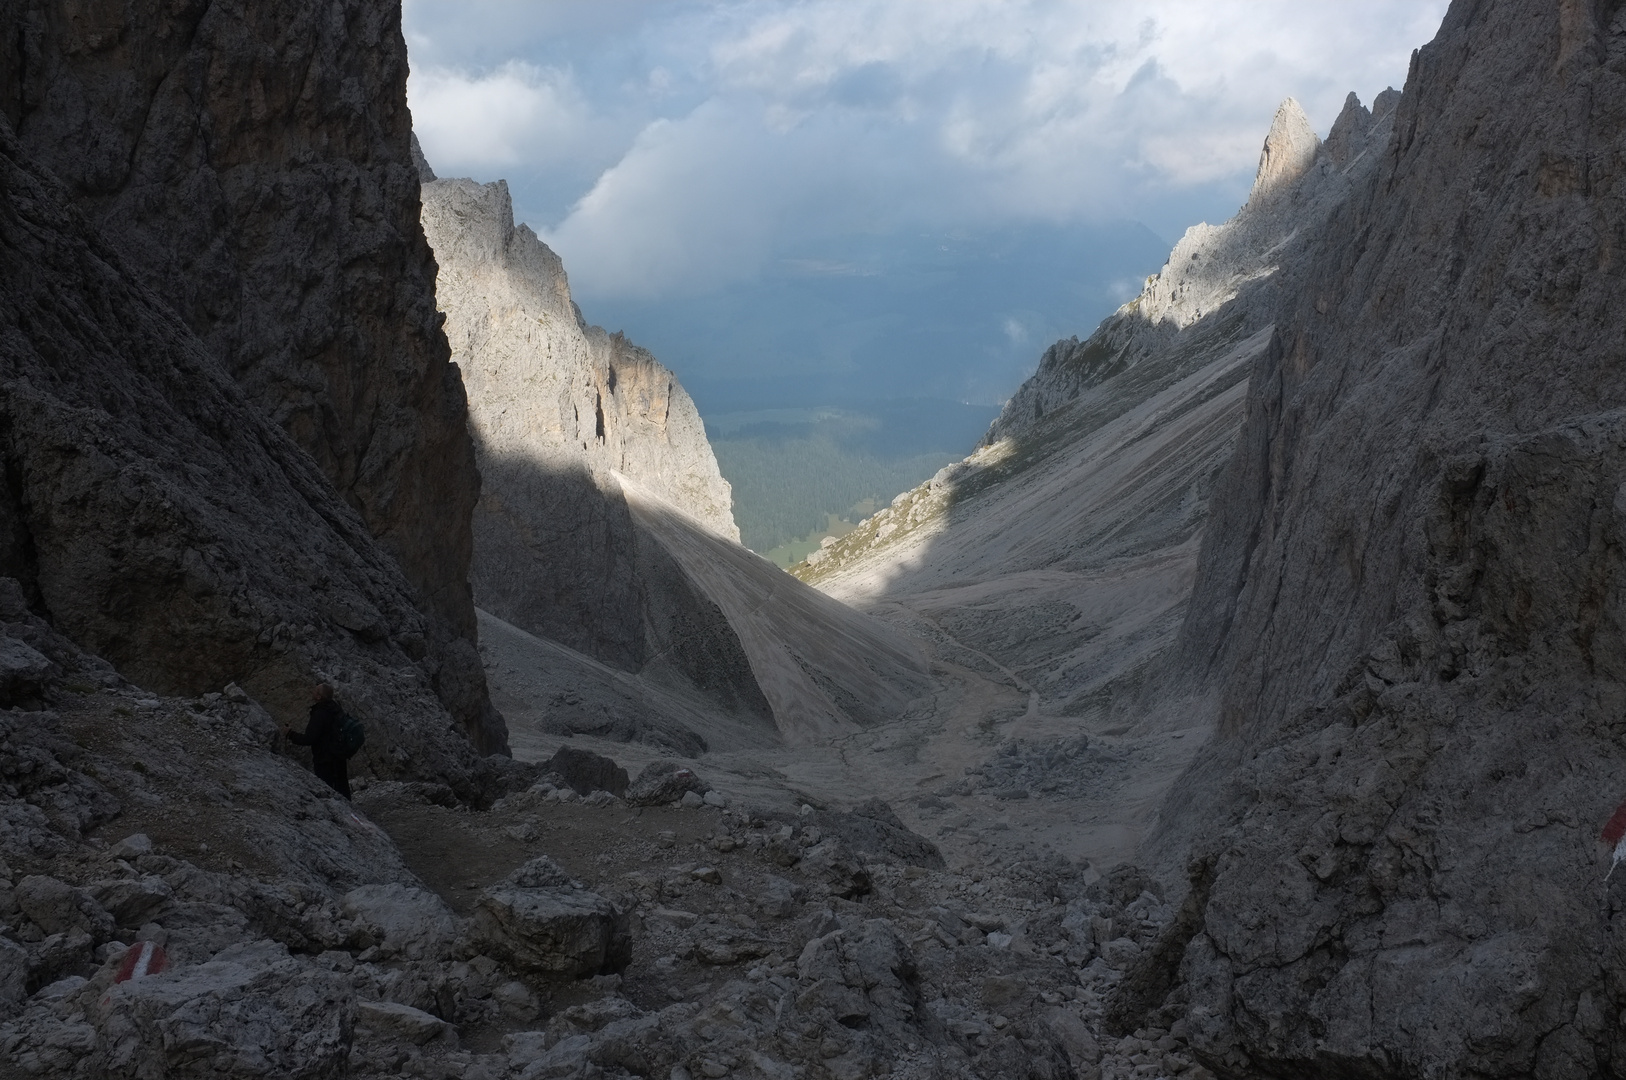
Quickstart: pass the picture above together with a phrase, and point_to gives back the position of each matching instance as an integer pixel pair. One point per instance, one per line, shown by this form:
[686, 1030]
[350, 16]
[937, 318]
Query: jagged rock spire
[1289, 149]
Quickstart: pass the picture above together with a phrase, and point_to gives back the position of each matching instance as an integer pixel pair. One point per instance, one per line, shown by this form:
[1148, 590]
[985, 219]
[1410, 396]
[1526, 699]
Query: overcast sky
[679, 148]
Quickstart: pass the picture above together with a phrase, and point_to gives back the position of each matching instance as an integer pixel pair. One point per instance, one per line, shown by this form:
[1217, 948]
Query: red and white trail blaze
[143, 958]
[1614, 832]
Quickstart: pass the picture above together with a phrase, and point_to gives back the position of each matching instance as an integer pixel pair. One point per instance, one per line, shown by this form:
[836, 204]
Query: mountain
[1063, 551]
[253, 170]
[605, 527]
[1405, 614]
[1340, 491]
[1258, 680]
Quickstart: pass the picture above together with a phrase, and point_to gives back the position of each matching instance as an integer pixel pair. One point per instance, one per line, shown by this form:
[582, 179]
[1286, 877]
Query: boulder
[252, 1011]
[552, 931]
[58, 907]
[132, 901]
[13, 976]
[403, 922]
[397, 1022]
[858, 978]
[540, 873]
[778, 897]
[834, 864]
[664, 782]
[23, 672]
[875, 831]
[1076, 1039]
[587, 772]
[131, 847]
[60, 955]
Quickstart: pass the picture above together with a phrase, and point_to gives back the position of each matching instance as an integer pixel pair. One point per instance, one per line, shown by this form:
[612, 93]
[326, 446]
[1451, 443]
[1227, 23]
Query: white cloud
[712, 136]
[691, 197]
[517, 113]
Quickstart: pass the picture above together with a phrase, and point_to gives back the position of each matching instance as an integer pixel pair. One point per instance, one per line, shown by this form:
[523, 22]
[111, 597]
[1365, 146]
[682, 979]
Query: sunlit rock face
[556, 407]
[544, 385]
[604, 524]
[251, 165]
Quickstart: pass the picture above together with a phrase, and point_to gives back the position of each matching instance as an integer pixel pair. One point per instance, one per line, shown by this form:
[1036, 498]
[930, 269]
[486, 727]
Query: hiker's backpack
[351, 735]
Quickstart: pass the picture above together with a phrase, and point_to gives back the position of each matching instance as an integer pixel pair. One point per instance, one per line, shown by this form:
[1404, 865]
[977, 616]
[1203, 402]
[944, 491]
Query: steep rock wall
[557, 407]
[542, 382]
[252, 164]
[605, 525]
[163, 522]
[1410, 604]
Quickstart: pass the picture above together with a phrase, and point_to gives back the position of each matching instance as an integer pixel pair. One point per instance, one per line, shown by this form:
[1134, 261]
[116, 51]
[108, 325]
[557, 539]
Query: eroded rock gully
[1394, 607]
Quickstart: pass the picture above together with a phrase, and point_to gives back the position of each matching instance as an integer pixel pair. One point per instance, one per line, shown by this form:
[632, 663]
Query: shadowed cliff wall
[1410, 605]
[252, 165]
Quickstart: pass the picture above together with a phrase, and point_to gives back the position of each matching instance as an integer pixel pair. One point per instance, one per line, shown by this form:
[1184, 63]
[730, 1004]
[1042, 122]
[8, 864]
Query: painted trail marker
[140, 960]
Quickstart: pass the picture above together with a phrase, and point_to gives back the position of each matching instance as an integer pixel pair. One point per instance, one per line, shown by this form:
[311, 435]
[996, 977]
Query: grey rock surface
[168, 526]
[558, 408]
[57, 907]
[587, 772]
[23, 672]
[393, 1020]
[402, 920]
[1407, 611]
[545, 386]
[551, 930]
[606, 528]
[251, 1011]
[662, 782]
[251, 164]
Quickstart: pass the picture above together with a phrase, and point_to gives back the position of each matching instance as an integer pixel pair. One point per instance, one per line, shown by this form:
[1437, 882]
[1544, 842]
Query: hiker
[321, 734]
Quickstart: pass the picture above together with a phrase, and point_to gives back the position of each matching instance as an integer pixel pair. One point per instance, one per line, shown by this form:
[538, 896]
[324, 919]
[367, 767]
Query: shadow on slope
[1063, 555]
[680, 636]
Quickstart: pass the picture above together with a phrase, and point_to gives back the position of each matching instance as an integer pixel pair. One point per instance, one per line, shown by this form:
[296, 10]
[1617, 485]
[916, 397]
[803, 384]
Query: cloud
[517, 113]
[708, 140]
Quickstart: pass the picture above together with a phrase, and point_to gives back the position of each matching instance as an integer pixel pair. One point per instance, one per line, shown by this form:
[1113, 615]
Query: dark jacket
[321, 734]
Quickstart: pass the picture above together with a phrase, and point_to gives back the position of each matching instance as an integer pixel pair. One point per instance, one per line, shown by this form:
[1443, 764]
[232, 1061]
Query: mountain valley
[1246, 705]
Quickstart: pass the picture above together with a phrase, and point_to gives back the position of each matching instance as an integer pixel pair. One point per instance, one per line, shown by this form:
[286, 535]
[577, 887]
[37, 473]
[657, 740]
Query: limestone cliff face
[557, 407]
[605, 526]
[545, 386]
[157, 517]
[1409, 608]
[252, 165]
[1232, 275]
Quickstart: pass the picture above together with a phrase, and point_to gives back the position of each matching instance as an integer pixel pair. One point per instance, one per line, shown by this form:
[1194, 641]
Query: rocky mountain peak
[1289, 150]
